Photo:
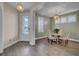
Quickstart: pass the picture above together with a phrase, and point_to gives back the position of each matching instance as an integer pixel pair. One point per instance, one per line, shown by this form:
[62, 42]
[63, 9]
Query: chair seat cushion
[51, 38]
[63, 38]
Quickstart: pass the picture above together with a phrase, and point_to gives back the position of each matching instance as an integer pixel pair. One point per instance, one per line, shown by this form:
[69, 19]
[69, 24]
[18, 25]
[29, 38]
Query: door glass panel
[25, 26]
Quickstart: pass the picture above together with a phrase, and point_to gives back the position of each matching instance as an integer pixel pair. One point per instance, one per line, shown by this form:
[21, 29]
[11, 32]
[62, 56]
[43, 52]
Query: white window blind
[63, 19]
[57, 21]
[40, 24]
[71, 18]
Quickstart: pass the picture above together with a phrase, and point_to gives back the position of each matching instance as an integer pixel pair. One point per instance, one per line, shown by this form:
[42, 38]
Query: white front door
[25, 28]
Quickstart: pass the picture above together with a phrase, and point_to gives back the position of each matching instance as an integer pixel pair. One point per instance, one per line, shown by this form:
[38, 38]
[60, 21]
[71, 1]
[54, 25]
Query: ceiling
[49, 8]
[52, 8]
[26, 5]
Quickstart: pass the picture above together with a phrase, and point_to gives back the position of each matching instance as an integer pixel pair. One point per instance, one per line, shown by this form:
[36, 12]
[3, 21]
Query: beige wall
[10, 26]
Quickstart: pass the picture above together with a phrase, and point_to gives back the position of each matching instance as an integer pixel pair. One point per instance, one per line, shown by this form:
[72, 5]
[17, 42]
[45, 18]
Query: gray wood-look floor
[42, 48]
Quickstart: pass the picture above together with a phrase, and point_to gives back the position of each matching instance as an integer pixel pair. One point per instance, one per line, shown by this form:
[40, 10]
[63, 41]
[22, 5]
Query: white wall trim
[8, 45]
[40, 37]
[21, 39]
[75, 40]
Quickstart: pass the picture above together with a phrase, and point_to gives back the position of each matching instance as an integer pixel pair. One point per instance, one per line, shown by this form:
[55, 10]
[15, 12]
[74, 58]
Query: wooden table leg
[65, 42]
[57, 41]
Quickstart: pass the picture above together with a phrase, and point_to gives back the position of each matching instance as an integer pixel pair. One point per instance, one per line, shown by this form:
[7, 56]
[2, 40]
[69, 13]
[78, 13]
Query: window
[71, 18]
[63, 19]
[57, 21]
[40, 24]
[25, 25]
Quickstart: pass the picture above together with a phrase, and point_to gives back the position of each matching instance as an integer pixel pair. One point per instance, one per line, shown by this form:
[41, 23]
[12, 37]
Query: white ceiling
[26, 5]
[52, 8]
[49, 8]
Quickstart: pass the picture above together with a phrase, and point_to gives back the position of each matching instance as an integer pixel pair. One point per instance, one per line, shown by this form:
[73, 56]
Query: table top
[56, 34]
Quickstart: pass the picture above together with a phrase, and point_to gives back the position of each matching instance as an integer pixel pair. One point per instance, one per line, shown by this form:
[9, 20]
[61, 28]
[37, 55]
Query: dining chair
[51, 38]
[65, 39]
[60, 34]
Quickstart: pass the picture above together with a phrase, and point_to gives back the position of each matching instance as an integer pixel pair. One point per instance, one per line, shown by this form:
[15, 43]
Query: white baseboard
[11, 44]
[21, 39]
[1, 51]
[40, 37]
[75, 40]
